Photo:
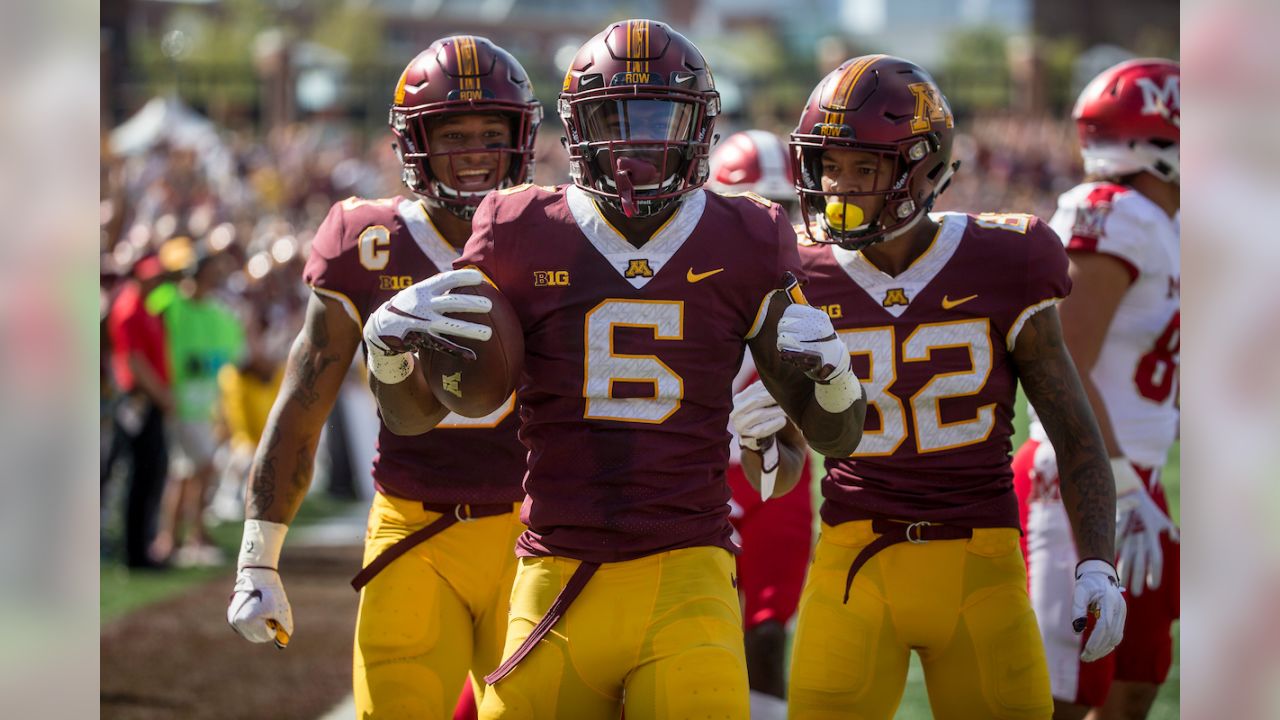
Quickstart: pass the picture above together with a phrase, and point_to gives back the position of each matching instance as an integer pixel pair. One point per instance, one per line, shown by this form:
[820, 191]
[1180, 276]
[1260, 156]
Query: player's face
[855, 171]
[470, 172]
[643, 121]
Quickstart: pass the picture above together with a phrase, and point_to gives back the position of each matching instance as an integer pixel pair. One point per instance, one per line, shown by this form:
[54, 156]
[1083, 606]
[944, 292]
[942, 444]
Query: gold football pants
[432, 614]
[662, 633]
[961, 604]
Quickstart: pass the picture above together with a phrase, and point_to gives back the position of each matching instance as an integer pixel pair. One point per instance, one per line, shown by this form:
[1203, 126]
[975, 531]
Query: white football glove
[756, 419]
[1098, 594]
[756, 416]
[259, 610]
[807, 339]
[1139, 524]
[416, 316]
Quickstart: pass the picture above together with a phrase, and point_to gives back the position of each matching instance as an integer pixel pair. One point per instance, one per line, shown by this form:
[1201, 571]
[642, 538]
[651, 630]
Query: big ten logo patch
[895, 296]
[833, 311]
[394, 282]
[550, 278]
[638, 268]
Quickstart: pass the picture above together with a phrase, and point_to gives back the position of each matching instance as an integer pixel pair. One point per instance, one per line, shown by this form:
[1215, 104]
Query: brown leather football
[475, 388]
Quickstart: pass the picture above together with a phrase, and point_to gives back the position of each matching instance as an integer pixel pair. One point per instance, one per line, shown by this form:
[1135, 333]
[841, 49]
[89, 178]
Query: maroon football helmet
[638, 107]
[462, 74]
[753, 161]
[889, 107]
[1130, 120]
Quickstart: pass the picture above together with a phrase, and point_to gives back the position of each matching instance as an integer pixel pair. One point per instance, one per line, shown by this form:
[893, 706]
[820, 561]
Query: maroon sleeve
[479, 251]
[333, 267]
[1045, 278]
[788, 253]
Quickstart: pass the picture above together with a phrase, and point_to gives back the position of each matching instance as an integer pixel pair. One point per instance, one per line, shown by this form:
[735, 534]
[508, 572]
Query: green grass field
[915, 701]
[123, 590]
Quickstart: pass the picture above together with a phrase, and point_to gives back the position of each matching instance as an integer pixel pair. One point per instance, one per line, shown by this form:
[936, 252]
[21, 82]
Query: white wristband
[1127, 479]
[1096, 565]
[389, 369]
[261, 544]
[838, 393]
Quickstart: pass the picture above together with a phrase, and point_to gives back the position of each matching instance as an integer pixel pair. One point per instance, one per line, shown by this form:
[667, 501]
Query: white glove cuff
[1127, 479]
[389, 369]
[839, 393]
[261, 545]
[1096, 565]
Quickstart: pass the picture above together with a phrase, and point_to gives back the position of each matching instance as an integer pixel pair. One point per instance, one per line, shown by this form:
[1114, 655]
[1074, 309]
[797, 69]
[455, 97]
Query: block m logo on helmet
[930, 107]
[1165, 101]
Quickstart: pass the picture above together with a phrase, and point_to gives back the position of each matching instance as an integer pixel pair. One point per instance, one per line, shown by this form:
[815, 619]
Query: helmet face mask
[886, 108]
[638, 108]
[463, 76]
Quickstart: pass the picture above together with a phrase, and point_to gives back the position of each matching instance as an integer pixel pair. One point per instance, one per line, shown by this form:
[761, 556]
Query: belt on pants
[893, 532]
[559, 606]
[449, 515]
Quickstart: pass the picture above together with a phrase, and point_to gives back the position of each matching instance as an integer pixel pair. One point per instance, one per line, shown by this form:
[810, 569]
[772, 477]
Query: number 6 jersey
[1136, 372]
[630, 356]
[933, 349]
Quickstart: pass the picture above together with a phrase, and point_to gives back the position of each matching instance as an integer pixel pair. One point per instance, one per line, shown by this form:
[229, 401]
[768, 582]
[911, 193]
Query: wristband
[389, 368]
[261, 545]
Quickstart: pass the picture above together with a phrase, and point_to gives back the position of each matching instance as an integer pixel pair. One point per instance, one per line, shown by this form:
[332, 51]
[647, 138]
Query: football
[475, 388]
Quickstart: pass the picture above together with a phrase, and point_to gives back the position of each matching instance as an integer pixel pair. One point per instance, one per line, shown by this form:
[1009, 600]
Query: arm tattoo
[314, 362]
[262, 485]
[1053, 386]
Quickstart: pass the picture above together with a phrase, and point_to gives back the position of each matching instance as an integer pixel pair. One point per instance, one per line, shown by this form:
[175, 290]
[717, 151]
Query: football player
[774, 531]
[438, 560]
[942, 315]
[638, 292]
[1121, 323]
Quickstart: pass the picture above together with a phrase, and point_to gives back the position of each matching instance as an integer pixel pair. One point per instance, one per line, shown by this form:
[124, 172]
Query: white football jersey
[1137, 370]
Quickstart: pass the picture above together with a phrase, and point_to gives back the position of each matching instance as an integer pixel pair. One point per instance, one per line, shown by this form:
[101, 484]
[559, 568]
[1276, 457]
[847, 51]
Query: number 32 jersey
[630, 356]
[933, 349]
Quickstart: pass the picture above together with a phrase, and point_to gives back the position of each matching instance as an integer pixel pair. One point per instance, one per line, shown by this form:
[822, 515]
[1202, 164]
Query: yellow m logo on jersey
[931, 107]
[638, 268]
[895, 296]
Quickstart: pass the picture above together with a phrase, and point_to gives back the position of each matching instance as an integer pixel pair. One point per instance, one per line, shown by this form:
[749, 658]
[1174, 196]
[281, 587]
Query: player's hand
[807, 339]
[419, 316]
[1097, 594]
[1139, 525]
[259, 610]
[756, 416]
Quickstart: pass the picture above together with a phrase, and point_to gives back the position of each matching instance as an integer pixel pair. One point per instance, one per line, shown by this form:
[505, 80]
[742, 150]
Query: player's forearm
[283, 465]
[833, 434]
[1052, 385]
[408, 407]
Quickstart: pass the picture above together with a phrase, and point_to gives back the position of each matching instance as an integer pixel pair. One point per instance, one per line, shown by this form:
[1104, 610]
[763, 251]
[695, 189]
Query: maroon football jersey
[933, 348]
[630, 355]
[363, 253]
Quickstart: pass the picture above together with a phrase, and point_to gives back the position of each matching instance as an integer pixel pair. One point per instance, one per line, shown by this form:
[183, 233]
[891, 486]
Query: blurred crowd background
[227, 127]
[230, 127]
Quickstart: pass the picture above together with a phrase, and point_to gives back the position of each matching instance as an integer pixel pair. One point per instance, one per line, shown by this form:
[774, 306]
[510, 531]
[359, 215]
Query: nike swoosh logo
[682, 79]
[694, 277]
[948, 304]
